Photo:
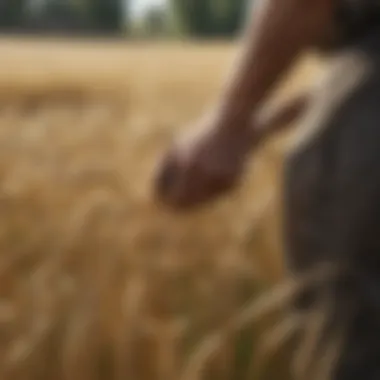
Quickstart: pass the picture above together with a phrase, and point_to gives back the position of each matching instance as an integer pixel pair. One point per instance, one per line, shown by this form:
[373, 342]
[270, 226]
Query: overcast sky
[139, 6]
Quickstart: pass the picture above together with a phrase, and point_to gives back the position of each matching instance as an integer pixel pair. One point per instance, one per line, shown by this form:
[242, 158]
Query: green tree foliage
[155, 22]
[209, 18]
[193, 16]
[228, 16]
[12, 13]
[107, 15]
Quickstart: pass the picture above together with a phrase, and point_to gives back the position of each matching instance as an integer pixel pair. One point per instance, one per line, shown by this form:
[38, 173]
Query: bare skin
[266, 123]
[208, 160]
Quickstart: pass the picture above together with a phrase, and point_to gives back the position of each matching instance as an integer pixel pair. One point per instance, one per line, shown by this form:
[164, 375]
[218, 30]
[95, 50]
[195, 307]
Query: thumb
[166, 176]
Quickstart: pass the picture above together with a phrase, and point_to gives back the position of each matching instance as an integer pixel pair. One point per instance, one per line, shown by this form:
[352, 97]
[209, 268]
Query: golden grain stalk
[95, 281]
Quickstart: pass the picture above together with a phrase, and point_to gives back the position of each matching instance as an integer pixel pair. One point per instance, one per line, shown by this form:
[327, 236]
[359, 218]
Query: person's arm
[278, 31]
[209, 162]
[265, 123]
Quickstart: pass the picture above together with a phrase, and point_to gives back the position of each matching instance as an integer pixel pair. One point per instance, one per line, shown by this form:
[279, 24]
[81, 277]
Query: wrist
[243, 132]
[232, 118]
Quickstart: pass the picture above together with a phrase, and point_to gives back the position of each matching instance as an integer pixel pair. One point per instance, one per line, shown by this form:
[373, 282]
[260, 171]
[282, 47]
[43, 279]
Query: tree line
[193, 18]
[209, 18]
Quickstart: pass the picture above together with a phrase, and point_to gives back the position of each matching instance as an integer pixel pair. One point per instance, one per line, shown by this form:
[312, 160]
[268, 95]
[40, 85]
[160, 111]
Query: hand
[202, 166]
[208, 163]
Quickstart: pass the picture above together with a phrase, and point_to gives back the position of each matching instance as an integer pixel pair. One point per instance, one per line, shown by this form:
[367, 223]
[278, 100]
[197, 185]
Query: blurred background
[97, 282]
[124, 18]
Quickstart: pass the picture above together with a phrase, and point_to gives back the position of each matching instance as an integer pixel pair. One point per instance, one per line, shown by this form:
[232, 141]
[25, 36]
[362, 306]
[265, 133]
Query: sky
[139, 6]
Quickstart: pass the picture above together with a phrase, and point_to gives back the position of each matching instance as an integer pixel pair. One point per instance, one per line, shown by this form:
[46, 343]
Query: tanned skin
[208, 160]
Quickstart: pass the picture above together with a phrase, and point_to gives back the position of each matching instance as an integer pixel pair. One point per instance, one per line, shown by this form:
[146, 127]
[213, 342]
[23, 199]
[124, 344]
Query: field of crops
[96, 282]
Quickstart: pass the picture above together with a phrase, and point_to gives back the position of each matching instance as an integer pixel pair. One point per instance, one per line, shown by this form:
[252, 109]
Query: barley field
[96, 281]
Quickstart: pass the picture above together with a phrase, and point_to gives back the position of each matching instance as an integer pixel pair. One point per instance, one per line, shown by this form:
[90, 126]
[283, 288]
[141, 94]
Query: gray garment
[332, 177]
[355, 17]
[332, 202]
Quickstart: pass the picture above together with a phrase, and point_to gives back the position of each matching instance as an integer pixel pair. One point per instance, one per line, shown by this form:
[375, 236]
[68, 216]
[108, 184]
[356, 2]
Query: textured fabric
[332, 177]
[332, 207]
[354, 18]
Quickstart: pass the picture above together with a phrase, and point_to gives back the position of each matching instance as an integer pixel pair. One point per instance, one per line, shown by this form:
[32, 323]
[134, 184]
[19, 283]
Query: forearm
[277, 33]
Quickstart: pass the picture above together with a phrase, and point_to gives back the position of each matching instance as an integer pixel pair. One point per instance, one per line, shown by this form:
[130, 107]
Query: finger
[166, 176]
[218, 188]
[188, 187]
[178, 182]
[203, 189]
